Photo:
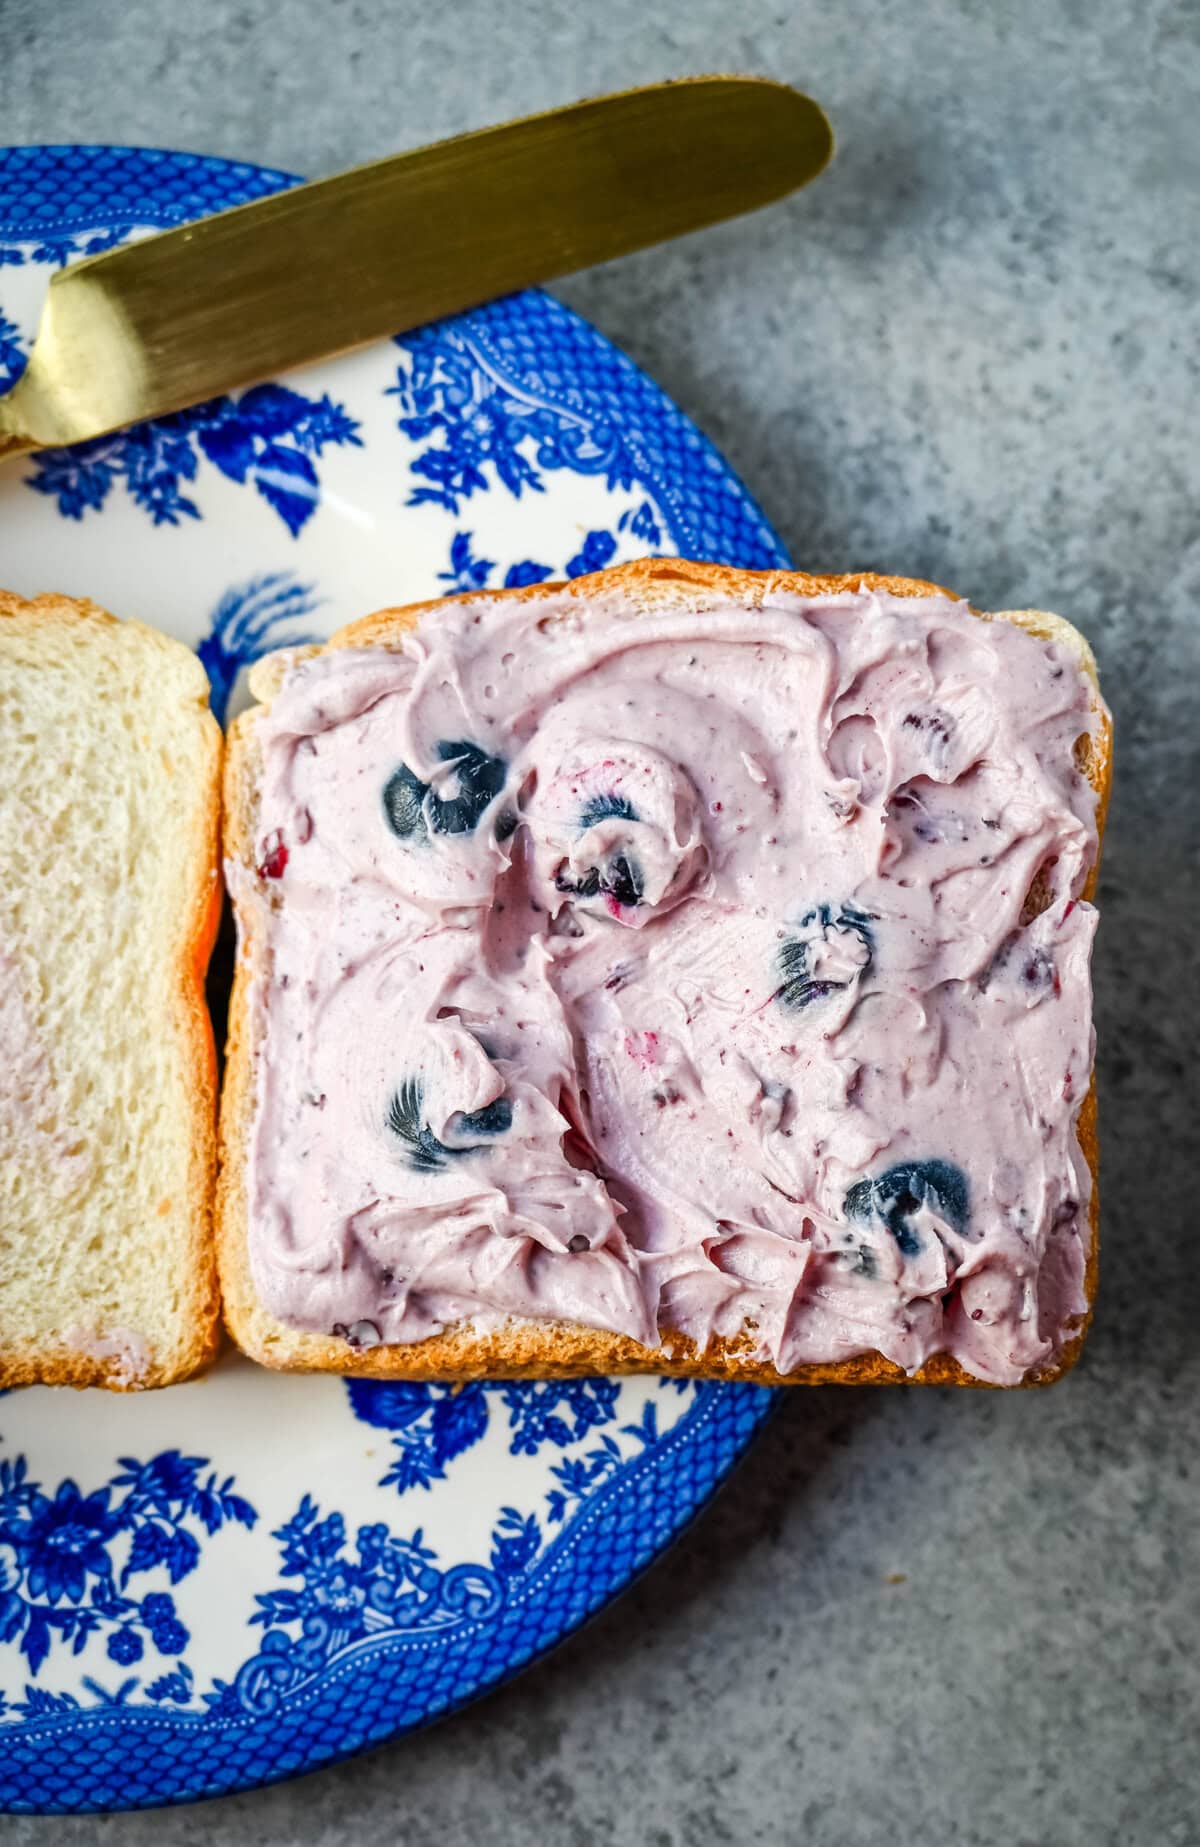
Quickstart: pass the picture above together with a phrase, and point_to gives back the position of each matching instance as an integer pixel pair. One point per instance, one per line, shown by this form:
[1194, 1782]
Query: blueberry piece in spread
[606, 807]
[403, 802]
[632, 860]
[588, 886]
[1038, 972]
[896, 1195]
[506, 825]
[492, 1119]
[1034, 969]
[622, 879]
[426, 1154]
[935, 726]
[405, 1119]
[480, 780]
[358, 1334]
[828, 953]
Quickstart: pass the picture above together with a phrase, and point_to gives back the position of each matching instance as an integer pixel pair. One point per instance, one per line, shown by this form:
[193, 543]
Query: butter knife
[247, 294]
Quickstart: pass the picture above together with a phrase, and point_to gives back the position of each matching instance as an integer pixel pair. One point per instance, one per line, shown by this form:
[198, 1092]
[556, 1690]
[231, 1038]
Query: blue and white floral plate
[189, 1602]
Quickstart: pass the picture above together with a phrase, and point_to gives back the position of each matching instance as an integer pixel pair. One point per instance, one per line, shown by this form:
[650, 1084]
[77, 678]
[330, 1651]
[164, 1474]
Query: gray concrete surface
[971, 354]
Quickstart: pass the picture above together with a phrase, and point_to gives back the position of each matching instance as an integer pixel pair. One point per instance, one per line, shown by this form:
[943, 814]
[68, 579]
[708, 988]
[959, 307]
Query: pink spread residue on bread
[667, 971]
[125, 1355]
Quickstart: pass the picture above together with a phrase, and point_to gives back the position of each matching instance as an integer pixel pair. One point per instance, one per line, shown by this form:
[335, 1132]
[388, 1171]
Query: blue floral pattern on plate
[199, 1622]
[270, 436]
[59, 1577]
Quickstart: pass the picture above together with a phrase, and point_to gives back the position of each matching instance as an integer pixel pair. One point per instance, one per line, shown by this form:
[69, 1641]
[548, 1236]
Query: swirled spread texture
[678, 972]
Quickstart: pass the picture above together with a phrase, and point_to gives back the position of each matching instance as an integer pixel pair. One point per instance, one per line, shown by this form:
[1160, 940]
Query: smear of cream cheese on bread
[675, 971]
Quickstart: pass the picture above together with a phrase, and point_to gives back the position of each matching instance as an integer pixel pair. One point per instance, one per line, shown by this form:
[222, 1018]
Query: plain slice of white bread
[109, 899]
[541, 1349]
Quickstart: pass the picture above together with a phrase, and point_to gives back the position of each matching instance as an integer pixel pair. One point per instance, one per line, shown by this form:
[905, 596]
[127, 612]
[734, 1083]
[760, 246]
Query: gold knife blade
[252, 292]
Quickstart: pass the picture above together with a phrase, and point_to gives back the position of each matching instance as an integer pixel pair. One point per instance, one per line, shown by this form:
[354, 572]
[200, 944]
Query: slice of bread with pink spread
[109, 897]
[680, 970]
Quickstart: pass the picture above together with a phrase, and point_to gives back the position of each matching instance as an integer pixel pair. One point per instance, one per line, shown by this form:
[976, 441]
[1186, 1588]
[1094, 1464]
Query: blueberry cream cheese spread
[711, 972]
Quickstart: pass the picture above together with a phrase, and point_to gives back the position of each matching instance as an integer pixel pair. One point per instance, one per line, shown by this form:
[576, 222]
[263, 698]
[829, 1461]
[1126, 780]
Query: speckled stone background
[970, 353]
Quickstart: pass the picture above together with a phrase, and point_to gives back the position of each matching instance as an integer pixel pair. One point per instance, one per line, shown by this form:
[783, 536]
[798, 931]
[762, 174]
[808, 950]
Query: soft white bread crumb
[109, 895]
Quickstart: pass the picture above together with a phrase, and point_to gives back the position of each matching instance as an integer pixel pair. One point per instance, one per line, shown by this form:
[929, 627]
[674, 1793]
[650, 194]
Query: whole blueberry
[896, 1195]
[407, 801]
